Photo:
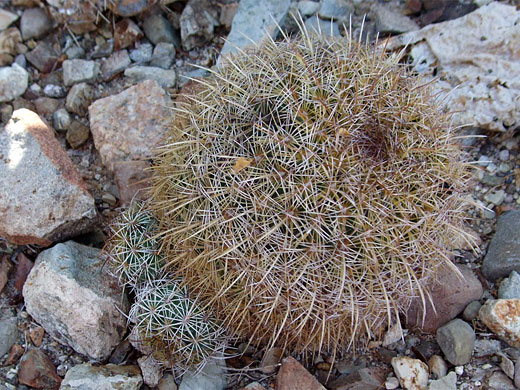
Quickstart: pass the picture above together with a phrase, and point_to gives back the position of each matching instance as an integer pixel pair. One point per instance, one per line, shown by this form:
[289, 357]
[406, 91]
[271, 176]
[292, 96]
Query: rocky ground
[85, 88]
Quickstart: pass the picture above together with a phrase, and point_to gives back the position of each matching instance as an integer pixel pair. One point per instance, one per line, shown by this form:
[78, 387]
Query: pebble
[517, 373]
[457, 340]
[77, 134]
[412, 373]
[21, 60]
[510, 287]
[507, 367]
[167, 382]
[37, 370]
[270, 360]
[495, 197]
[320, 26]
[471, 311]
[116, 63]
[103, 49]
[44, 56]
[499, 381]
[307, 7]
[502, 317]
[150, 370]
[448, 382]
[79, 71]
[391, 383]
[503, 155]
[165, 77]
[109, 198]
[338, 10]
[34, 23]
[142, 53]
[158, 29]
[212, 377]
[292, 375]
[61, 119]
[126, 33]
[75, 52]
[484, 161]
[14, 80]
[79, 98]
[197, 22]
[438, 366]
[163, 55]
[54, 91]
[6, 18]
[8, 334]
[392, 21]
[128, 8]
[107, 377]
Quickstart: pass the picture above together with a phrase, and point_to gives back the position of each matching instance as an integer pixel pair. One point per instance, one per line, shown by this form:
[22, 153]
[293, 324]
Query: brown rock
[127, 8]
[5, 268]
[270, 360]
[44, 56]
[79, 98]
[364, 379]
[77, 134]
[46, 106]
[36, 335]
[502, 316]
[131, 179]
[15, 353]
[9, 41]
[37, 370]
[23, 268]
[450, 295]
[293, 375]
[126, 33]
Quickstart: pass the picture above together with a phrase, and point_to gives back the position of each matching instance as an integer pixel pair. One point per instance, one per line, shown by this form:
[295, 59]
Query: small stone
[23, 268]
[141, 54]
[320, 26]
[438, 366]
[79, 71]
[502, 317]
[128, 8]
[15, 353]
[212, 377]
[499, 381]
[77, 134]
[507, 367]
[61, 119]
[292, 375]
[5, 268]
[517, 373]
[34, 23]
[227, 14]
[271, 360]
[495, 197]
[8, 334]
[21, 60]
[150, 370]
[163, 55]
[448, 382]
[308, 7]
[392, 21]
[45, 106]
[13, 82]
[44, 56]
[75, 52]
[484, 161]
[338, 10]
[165, 77]
[370, 378]
[471, 311]
[37, 370]
[510, 287]
[54, 91]
[457, 340]
[110, 199]
[36, 335]
[126, 33]
[103, 49]
[79, 98]
[391, 383]
[503, 155]
[158, 29]
[107, 377]
[198, 20]
[10, 40]
[412, 373]
[116, 63]
[6, 110]
[167, 382]
[485, 347]
[6, 18]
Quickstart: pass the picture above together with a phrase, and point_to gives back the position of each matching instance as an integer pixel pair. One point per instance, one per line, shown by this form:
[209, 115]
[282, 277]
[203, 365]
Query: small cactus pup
[308, 191]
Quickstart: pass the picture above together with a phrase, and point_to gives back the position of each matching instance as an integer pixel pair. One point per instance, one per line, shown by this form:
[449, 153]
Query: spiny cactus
[308, 191]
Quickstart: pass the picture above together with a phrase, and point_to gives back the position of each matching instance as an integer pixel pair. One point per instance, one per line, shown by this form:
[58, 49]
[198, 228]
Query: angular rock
[107, 377]
[128, 8]
[507, 367]
[146, 113]
[412, 373]
[392, 21]
[502, 317]
[150, 370]
[307, 7]
[37, 370]
[503, 255]
[510, 287]
[499, 381]
[292, 375]
[448, 382]
[338, 10]
[485, 347]
[457, 340]
[131, 180]
[254, 21]
[517, 374]
[61, 119]
[450, 295]
[324, 27]
[79, 71]
[364, 379]
[166, 78]
[227, 14]
[6, 18]
[13, 82]
[210, 378]
[116, 63]
[167, 382]
[438, 366]
[142, 53]
[34, 23]
[9, 41]
[163, 55]
[8, 334]
[23, 269]
[15, 353]
[43, 197]
[79, 98]
[126, 33]
[45, 106]
[44, 56]
[5, 268]
[270, 360]
[75, 301]
[77, 134]
[471, 311]
[198, 21]
[158, 29]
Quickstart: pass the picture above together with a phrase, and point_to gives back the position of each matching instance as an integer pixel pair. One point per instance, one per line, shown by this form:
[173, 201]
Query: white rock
[438, 366]
[151, 370]
[108, 377]
[6, 18]
[391, 383]
[394, 334]
[13, 82]
[389, 20]
[210, 378]
[448, 382]
[165, 77]
[79, 71]
[75, 300]
[43, 197]
[412, 373]
[478, 54]
[502, 316]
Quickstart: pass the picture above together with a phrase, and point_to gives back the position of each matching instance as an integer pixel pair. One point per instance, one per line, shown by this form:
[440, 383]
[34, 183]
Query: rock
[471, 311]
[79, 98]
[41, 183]
[6, 18]
[45, 106]
[163, 55]
[391, 383]
[165, 78]
[457, 340]
[77, 134]
[307, 7]
[103, 49]
[392, 21]
[77, 303]
[34, 23]
[364, 379]
[185, 77]
[292, 375]
[167, 382]
[79, 71]
[254, 21]
[338, 10]
[271, 360]
[212, 377]
[448, 382]
[126, 8]
[158, 29]
[253, 386]
[141, 54]
[227, 14]
[517, 373]
[21, 60]
[146, 113]
[13, 82]
[107, 377]
[54, 91]
[507, 367]
[61, 119]
[502, 317]
[37, 370]
[15, 353]
[109, 199]
[510, 287]
[23, 268]
[485, 347]
[474, 53]
[451, 296]
[116, 63]
[6, 110]
[5, 268]
[150, 370]
[320, 26]
[126, 33]
[36, 334]
[8, 334]
[10, 40]
[75, 52]
[44, 56]
[198, 20]
[499, 381]
[503, 255]
[438, 366]
[131, 179]
[412, 373]
[495, 197]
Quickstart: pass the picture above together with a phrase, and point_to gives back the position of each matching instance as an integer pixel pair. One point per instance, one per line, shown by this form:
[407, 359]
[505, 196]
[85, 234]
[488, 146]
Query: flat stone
[495, 197]
[8, 334]
[166, 78]
[412, 373]
[158, 29]
[198, 21]
[450, 295]
[486, 347]
[499, 381]
[79, 71]
[77, 134]
[44, 56]
[308, 7]
[292, 375]
[457, 340]
[126, 32]
[107, 377]
[116, 63]
[6, 18]
[43, 197]
[503, 255]
[128, 8]
[369, 378]
[510, 287]
[35, 23]
[163, 55]
[9, 41]
[146, 113]
[392, 21]
[212, 377]
[79, 98]
[151, 370]
[13, 82]
[37, 370]
[142, 53]
[77, 303]
[517, 374]
[471, 311]
[448, 382]
[320, 26]
[335, 9]
[502, 317]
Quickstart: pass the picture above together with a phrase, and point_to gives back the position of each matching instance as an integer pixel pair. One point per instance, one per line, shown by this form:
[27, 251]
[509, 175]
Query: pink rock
[293, 375]
[502, 316]
[131, 179]
[37, 370]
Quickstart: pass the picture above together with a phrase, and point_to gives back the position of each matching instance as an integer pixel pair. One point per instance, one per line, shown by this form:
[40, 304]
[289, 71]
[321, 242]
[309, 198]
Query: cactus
[308, 191]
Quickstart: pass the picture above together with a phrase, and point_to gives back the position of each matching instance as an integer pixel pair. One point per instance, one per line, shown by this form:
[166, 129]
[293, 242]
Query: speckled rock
[448, 382]
[8, 334]
[35, 23]
[79, 98]
[502, 316]
[165, 77]
[116, 63]
[412, 373]
[510, 287]
[198, 20]
[43, 197]
[13, 82]
[75, 301]
[210, 378]
[38, 371]
[457, 340]
[108, 377]
[144, 108]
[79, 71]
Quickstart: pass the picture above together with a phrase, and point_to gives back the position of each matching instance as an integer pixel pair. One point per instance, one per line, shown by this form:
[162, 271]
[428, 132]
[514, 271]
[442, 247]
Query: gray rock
[165, 78]
[471, 311]
[392, 21]
[61, 119]
[8, 334]
[449, 382]
[75, 300]
[335, 9]
[79, 71]
[438, 367]
[141, 54]
[117, 62]
[485, 347]
[6, 110]
[43, 195]
[517, 373]
[212, 377]
[489, 179]
[499, 381]
[44, 56]
[503, 255]
[495, 197]
[193, 74]
[54, 91]
[151, 370]
[77, 134]
[107, 377]
[21, 60]
[75, 52]
[34, 23]
[308, 7]
[254, 21]
[510, 287]
[457, 340]
[198, 20]
[163, 55]
[14, 80]
[79, 98]
[320, 26]
[6, 18]
[158, 29]
[103, 50]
